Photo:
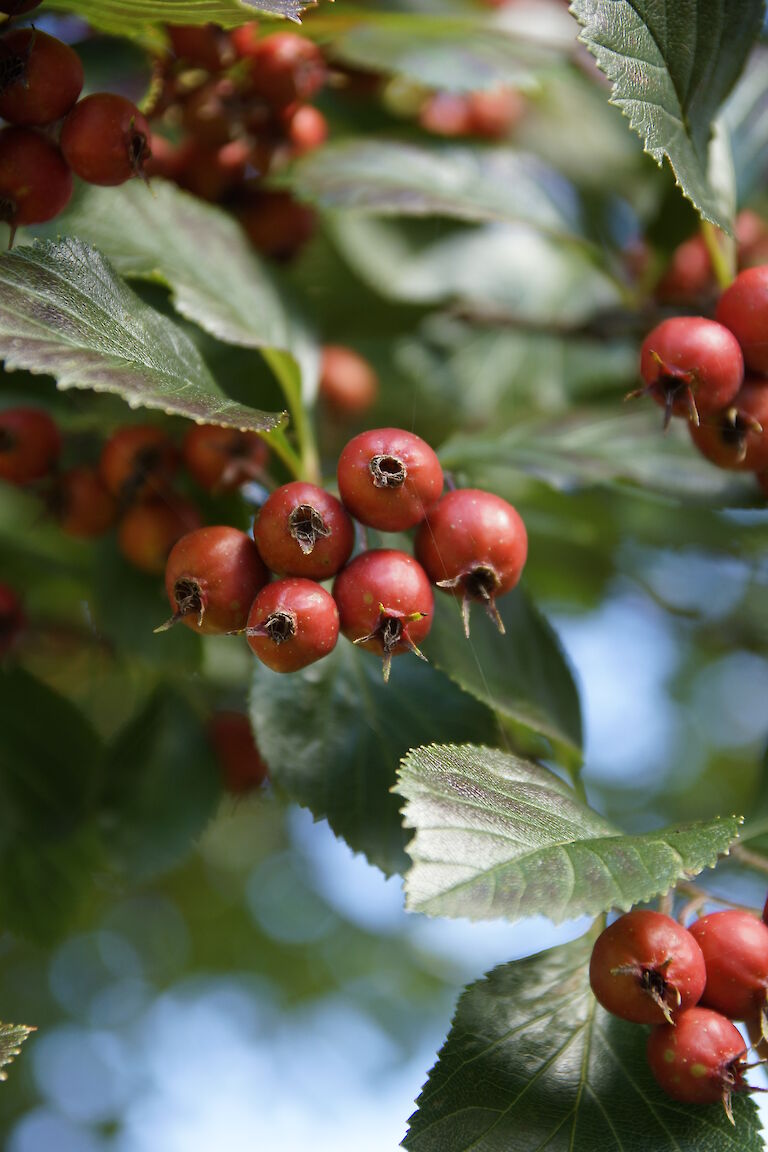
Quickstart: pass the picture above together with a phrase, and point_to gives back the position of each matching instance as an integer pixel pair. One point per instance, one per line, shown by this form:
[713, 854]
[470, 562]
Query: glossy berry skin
[105, 139]
[212, 578]
[221, 459]
[385, 603]
[40, 77]
[737, 437]
[735, 949]
[35, 182]
[302, 530]
[691, 366]
[698, 1059]
[137, 462]
[11, 619]
[241, 764]
[743, 308]
[348, 383]
[646, 968]
[285, 68]
[292, 623]
[81, 503]
[473, 545]
[30, 445]
[388, 478]
[148, 531]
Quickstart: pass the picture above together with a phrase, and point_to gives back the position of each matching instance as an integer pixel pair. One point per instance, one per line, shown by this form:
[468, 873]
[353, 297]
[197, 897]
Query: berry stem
[278, 443]
[685, 888]
[287, 373]
[722, 252]
[753, 860]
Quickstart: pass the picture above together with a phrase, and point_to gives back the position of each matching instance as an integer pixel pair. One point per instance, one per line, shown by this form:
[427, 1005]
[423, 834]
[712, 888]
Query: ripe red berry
[306, 128]
[699, 1058]
[212, 577]
[276, 224]
[348, 383]
[743, 308]
[737, 437]
[221, 459]
[201, 45]
[385, 603]
[689, 275]
[105, 139]
[474, 545]
[40, 77]
[446, 114]
[30, 445]
[137, 462]
[11, 619]
[302, 530]
[35, 182]
[244, 39]
[284, 68]
[647, 968]
[494, 114]
[735, 949]
[81, 503]
[242, 767]
[292, 623]
[147, 532]
[691, 366]
[388, 478]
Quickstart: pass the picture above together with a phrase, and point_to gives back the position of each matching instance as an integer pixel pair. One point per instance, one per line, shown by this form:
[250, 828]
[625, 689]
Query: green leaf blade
[12, 1036]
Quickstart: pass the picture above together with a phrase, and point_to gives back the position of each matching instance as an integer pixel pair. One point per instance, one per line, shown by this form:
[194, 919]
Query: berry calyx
[35, 182]
[388, 478]
[283, 67]
[699, 1059]
[302, 530]
[473, 545]
[221, 459]
[137, 462]
[743, 308]
[147, 532]
[105, 139]
[81, 503]
[691, 367]
[11, 619]
[40, 77]
[212, 577]
[348, 383]
[385, 604]
[737, 437]
[646, 968]
[241, 764]
[30, 445]
[735, 949]
[291, 624]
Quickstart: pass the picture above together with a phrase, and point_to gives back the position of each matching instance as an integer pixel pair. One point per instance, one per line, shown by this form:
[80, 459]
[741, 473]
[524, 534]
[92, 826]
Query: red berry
[221, 459]
[744, 309]
[691, 366]
[276, 224]
[17, 7]
[735, 949]
[242, 767]
[284, 68]
[30, 444]
[304, 531]
[699, 1058]
[748, 229]
[40, 77]
[474, 545]
[200, 45]
[213, 172]
[494, 114]
[348, 384]
[690, 274]
[388, 478]
[292, 623]
[737, 437]
[81, 503]
[212, 577]
[212, 112]
[446, 114]
[147, 532]
[137, 462]
[645, 967]
[385, 603]
[105, 139]
[11, 619]
[244, 39]
[35, 182]
[305, 127]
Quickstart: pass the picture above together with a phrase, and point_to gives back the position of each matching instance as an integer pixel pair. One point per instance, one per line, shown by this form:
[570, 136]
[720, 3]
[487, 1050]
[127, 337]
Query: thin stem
[701, 895]
[752, 860]
[722, 252]
[278, 443]
[308, 458]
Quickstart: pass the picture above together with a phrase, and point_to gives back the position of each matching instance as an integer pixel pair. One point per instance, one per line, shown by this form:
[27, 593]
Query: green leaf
[64, 312]
[142, 19]
[12, 1036]
[672, 66]
[202, 255]
[334, 733]
[500, 836]
[394, 179]
[522, 675]
[533, 1064]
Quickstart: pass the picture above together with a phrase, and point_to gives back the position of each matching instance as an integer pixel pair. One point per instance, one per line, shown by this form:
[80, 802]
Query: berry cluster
[231, 108]
[715, 373]
[103, 138]
[689, 984]
[470, 543]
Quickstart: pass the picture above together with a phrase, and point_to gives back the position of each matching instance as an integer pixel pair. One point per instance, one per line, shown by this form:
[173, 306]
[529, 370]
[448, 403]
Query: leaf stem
[278, 443]
[307, 461]
[722, 252]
